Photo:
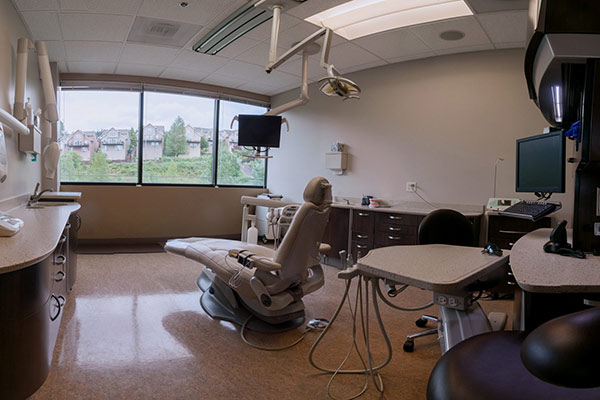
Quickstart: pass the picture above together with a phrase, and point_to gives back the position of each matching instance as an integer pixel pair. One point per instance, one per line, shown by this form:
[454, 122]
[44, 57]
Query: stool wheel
[409, 346]
[421, 322]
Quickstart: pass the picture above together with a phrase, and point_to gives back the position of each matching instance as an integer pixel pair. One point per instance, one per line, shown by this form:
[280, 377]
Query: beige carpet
[133, 328]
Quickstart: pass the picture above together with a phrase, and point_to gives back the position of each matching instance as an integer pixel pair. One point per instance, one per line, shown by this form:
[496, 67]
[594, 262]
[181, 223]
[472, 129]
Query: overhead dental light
[359, 18]
[336, 85]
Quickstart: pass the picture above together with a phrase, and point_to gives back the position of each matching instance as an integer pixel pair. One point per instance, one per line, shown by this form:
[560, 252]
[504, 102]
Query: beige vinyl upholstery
[276, 282]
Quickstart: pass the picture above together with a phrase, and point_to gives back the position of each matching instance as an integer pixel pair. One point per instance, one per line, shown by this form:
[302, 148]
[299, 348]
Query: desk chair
[557, 360]
[440, 227]
[267, 284]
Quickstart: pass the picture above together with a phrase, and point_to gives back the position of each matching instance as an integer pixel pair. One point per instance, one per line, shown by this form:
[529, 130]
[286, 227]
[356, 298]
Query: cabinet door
[336, 232]
[363, 221]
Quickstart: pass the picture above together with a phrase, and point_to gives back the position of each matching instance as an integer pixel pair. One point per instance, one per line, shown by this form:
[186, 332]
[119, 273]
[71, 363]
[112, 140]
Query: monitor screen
[541, 163]
[259, 130]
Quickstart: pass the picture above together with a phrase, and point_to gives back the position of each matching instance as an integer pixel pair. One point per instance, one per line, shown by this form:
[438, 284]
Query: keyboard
[533, 210]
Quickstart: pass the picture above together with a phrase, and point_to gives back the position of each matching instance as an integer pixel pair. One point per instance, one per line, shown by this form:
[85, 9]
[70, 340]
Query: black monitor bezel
[256, 144]
[541, 189]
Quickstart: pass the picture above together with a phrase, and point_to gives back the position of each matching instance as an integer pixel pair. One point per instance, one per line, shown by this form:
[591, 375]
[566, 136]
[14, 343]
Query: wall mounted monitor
[541, 163]
[259, 130]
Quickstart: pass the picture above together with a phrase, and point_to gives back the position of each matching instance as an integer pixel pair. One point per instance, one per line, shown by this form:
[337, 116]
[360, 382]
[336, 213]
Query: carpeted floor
[133, 328]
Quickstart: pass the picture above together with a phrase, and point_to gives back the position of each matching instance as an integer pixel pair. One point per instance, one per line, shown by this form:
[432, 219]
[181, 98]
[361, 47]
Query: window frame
[142, 89]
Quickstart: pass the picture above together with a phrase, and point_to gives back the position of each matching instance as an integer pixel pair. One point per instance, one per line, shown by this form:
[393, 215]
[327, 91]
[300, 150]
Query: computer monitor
[541, 163]
[259, 130]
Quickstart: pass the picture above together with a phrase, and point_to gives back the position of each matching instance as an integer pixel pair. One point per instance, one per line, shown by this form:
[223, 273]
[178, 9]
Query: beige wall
[442, 122]
[23, 173]
[116, 212]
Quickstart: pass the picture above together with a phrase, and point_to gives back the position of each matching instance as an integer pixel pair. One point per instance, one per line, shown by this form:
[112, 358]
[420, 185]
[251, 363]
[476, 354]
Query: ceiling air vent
[160, 31]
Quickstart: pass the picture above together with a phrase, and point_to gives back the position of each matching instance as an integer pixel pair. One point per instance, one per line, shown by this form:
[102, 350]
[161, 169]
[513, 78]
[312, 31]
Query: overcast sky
[95, 110]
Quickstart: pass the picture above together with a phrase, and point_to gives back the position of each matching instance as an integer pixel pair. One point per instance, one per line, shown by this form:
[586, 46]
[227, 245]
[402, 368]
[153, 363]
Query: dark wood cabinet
[336, 233]
[505, 231]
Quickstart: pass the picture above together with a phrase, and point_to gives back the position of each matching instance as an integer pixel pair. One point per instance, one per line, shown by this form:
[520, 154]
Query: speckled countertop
[436, 267]
[538, 271]
[38, 237]
[418, 208]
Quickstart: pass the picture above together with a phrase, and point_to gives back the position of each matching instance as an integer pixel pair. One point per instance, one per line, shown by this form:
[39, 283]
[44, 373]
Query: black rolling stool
[440, 227]
[557, 360]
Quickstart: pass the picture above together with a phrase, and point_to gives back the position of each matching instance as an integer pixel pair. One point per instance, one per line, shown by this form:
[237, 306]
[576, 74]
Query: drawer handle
[61, 301]
[394, 237]
[363, 214]
[513, 232]
[60, 260]
[358, 235]
[59, 276]
[57, 306]
[511, 244]
[391, 228]
[63, 239]
[394, 217]
[360, 246]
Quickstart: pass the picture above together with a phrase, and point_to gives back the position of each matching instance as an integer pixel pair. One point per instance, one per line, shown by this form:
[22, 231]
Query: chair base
[221, 302]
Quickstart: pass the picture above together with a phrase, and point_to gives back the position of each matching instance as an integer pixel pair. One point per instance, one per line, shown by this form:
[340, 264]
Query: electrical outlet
[411, 186]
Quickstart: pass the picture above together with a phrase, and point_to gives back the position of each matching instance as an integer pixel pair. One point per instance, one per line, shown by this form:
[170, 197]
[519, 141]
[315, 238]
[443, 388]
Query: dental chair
[242, 280]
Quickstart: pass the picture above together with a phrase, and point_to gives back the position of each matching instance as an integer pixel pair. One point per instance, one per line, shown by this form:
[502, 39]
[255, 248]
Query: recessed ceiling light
[452, 35]
[359, 18]
[184, 4]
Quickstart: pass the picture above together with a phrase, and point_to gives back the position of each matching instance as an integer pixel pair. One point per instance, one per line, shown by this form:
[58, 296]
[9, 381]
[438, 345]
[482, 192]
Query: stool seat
[488, 366]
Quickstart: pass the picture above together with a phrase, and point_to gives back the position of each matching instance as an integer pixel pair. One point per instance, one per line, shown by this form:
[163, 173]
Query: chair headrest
[318, 191]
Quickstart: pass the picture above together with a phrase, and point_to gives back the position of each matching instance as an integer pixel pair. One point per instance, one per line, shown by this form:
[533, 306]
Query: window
[91, 113]
[100, 143]
[233, 167]
[177, 118]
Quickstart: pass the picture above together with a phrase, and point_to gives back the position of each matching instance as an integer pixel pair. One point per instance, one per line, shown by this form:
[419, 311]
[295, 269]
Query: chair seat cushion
[488, 366]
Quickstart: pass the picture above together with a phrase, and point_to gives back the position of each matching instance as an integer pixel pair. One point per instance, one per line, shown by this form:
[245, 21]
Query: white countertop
[417, 208]
[538, 271]
[437, 267]
[38, 237]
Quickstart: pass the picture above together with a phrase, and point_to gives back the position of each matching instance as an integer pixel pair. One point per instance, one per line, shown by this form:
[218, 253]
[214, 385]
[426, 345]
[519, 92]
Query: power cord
[423, 198]
[317, 324]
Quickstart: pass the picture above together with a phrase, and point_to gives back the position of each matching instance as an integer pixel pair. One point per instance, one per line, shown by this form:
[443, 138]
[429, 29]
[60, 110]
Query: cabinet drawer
[363, 221]
[361, 248]
[397, 219]
[397, 229]
[503, 243]
[510, 228]
[363, 238]
[383, 239]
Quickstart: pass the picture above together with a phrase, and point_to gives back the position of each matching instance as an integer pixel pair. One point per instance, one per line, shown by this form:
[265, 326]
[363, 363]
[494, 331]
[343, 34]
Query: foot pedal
[497, 321]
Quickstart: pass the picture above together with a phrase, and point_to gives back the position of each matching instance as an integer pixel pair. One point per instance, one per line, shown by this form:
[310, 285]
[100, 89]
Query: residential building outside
[83, 143]
[154, 137]
[115, 143]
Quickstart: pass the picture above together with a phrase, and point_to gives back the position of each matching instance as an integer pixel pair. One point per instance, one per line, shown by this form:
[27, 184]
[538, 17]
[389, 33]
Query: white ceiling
[90, 36]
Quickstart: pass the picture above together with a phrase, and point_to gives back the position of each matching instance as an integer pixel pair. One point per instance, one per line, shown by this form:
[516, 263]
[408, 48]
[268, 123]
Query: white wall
[442, 122]
[23, 173]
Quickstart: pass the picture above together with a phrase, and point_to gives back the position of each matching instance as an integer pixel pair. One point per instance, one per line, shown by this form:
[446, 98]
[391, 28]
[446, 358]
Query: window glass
[178, 139]
[233, 167]
[98, 135]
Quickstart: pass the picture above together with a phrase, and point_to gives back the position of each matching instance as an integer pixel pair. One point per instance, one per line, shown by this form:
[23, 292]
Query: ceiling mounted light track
[242, 21]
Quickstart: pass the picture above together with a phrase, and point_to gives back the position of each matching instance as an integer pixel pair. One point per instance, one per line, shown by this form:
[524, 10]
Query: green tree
[229, 170]
[71, 165]
[99, 166]
[175, 142]
[133, 142]
[203, 145]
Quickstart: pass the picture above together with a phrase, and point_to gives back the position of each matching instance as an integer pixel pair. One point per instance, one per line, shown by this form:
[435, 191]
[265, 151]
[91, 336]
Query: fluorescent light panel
[359, 18]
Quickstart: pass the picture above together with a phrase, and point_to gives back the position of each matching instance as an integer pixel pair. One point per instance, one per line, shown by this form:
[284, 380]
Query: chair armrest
[324, 247]
[264, 264]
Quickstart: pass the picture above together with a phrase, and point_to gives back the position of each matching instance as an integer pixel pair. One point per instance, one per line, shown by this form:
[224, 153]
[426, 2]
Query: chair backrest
[299, 248]
[446, 227]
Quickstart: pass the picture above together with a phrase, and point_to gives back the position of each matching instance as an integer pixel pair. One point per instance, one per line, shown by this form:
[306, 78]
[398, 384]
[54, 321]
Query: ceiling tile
[43, 25]
[128, 7]
[62, 67]
[505, 27]
[511, 45]
[277, 79]
[430, 33]
[485, 6]
[466, 49]
[56, 50]
[263, 31]
[93, 51]
[153, 55]
[393, 44]
[30, 5]
[98, 27]
[183, 75]
[92, 67]
[198, 12]
[349, 55]
[240, 69]
[259, 54]
[191, 60]
[224, 80]
[255, 87]
[139, 69]
[411, 57]
[298, 33]
[238, 47]
[295, 67]
[313, 7]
